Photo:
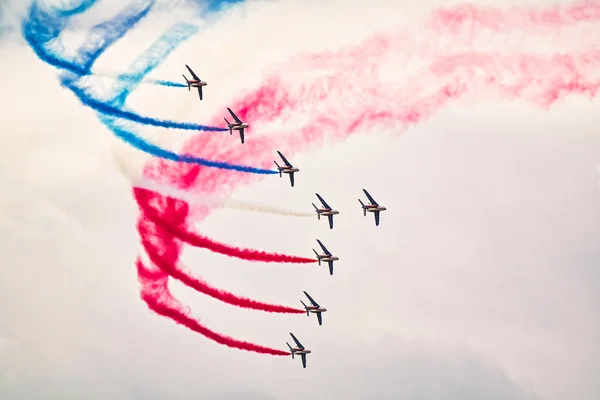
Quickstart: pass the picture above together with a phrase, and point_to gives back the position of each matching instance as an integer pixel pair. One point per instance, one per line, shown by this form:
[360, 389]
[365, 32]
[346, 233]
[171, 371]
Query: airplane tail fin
[279, 168]
[188, 82]
[317, 254]
[307, 314]
[229, 125]
[363, 207]
[290, 349]
[318, 214]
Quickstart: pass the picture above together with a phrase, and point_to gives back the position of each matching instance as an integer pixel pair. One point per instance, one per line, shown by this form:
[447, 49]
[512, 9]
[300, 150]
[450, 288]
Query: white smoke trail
[215, 201]
[256, 207]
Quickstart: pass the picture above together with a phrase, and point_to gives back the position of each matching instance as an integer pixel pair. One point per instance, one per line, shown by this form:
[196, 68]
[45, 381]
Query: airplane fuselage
[296, 350]
[238, 126]
[373, 208]
[197, 83]
[314, 309]
[327, 258]
[288, 170]
[327, 212]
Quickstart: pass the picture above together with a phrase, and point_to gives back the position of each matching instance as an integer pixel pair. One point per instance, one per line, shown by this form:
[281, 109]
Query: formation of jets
[326, 210]
[238, 125]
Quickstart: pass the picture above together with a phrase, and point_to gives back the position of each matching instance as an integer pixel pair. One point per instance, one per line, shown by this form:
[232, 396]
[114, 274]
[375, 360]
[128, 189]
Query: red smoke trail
[455, 19]
[175, 271]
[157, 296]
[196, 240]
[154, 289]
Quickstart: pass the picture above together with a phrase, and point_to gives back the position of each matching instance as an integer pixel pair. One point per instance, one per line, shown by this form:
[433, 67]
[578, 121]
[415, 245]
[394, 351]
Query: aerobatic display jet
[196, 82]
[287, 168]
[298, 350]
[238, 125]
[327, 257]
[326, 210]
[314, 308]
[374, 207]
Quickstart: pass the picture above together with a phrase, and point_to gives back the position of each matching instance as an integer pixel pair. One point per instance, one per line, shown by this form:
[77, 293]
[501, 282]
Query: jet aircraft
[238, 125]
[287, 168]
[327, 257]
[326, 210]
[298, 350]
[196, 82]
[374, 207]
[314, 308]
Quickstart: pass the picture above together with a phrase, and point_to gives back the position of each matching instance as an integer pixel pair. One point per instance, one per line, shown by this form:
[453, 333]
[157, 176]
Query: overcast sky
[480, 283]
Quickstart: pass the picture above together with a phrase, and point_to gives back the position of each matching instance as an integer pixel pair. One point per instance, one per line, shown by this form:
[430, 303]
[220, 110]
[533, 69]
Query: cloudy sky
[481, 282]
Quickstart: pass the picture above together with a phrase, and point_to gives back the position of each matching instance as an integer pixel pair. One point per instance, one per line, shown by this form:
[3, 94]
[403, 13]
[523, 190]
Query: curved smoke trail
[154, 282]
[180, 231]
[44, 26]
[146, 227]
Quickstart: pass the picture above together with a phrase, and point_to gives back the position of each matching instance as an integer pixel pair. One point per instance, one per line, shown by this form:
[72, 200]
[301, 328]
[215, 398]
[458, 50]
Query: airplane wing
[376, 218]
[314, 303]
[242, 135]
[319, 318]
[323, 247]
[330, 267]
[200, 92]
[192, 72]
[371, 199]
[284, 159]
[292, 179]
[234, 116]
[296, 340]
[330, 217]
[303, 360]
[323, 201]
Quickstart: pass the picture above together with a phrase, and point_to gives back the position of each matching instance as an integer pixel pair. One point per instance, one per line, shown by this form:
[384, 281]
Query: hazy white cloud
[480, 283]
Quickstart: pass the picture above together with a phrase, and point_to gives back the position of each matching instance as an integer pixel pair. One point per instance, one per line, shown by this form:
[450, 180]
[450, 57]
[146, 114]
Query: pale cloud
[480, 283]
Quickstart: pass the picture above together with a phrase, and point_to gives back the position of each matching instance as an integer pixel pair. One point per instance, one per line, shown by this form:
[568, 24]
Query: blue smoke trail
[169, 155]
[105, 34]
[143, 65]
[149, 60]
[64, 12]
[42, 27]
[166, 83]
[105, 108]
